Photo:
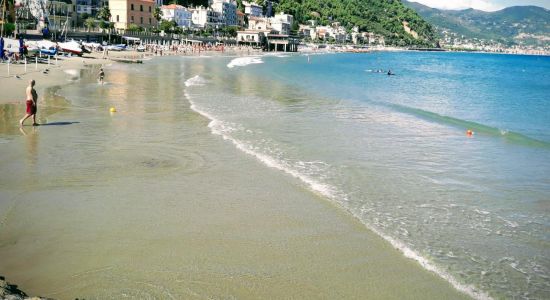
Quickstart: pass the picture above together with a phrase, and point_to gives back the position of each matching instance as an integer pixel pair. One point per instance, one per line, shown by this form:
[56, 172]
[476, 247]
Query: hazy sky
[487, 5]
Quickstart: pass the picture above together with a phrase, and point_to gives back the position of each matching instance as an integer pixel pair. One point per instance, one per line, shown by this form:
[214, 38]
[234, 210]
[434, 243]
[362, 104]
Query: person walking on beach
[32, 97]
[101, 75]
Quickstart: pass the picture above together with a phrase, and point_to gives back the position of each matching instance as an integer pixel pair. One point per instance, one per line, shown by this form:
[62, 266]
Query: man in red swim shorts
[32, 97]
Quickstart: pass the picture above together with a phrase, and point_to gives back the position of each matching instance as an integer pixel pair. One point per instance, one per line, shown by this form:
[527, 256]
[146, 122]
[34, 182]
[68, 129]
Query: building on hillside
[240, 19]
[205, 17]
[282, 23]
[258, 23]
[127, 12]
[252, 9]
[304, 31]
[178, 14]
[227, 9]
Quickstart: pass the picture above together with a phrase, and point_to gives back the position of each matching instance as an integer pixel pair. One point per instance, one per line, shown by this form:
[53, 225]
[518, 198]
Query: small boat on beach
[44, 47]
[71, 47]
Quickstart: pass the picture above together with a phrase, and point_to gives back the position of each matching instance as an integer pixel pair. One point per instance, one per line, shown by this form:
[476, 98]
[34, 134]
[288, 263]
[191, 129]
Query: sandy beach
[147, 203]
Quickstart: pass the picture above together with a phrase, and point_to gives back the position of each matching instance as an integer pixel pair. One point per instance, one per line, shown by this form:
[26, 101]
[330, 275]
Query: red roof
[171, 6]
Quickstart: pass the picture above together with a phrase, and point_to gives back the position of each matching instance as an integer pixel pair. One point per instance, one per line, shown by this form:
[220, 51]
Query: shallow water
[148, 203]
[392, 151]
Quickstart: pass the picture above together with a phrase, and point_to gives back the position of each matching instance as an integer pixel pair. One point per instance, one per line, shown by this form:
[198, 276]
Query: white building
[253, 9]
[259, 23]
[205, 17]
[282, 23]
[227, 10]
[177, 13]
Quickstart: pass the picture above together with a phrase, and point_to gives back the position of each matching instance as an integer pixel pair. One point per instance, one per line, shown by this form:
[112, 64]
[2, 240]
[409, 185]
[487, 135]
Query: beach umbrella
[21, 46]
[1, 48]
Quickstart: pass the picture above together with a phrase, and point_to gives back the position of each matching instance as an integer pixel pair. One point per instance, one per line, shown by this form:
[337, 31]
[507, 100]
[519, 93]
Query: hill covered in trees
[512, 25]
[385, 17]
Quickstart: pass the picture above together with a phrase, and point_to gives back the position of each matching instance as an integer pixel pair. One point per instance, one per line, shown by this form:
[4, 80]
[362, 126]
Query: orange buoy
[469, 132]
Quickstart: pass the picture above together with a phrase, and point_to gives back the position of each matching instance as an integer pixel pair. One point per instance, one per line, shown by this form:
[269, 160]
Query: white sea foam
[220, 128]
[244, 61]
[195, 81]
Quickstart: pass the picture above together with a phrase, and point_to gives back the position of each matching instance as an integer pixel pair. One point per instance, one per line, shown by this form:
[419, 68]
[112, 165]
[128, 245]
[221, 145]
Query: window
[117, 18]
[131, 6]
[140, 7]
[140, 20]
[132, 18]
[149, 20]
[149, 8]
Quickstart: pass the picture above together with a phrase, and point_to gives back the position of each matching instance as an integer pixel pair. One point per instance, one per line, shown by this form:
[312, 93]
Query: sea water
[393, 151]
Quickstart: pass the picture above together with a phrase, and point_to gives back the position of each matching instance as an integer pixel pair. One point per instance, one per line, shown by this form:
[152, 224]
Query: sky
[487, 5]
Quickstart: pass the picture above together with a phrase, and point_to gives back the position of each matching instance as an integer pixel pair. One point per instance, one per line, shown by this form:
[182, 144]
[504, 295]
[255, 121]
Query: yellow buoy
[112, 109]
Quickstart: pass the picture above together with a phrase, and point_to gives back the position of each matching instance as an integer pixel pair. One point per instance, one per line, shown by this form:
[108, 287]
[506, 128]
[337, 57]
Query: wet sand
[146, 202]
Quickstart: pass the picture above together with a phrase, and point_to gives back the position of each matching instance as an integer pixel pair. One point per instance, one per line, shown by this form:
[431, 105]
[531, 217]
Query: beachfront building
[251, 37]
[127, 12]
[61, 14]
[281, 42]
[252, 9]
[205, 17]
[227, 9]
[177, 13]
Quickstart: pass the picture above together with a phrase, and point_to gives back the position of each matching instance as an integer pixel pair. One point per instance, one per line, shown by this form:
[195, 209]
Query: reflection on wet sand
[48, 104]
[31, 136]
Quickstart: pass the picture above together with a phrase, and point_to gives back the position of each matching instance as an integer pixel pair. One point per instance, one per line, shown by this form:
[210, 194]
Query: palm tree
[157, 14]
[89, 23]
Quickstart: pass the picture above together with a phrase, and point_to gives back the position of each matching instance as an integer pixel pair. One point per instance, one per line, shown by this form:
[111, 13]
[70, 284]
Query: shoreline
[50, 83]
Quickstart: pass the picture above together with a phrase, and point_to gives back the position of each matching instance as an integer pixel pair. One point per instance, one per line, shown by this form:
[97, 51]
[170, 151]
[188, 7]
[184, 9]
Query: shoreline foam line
[244, 61]
[332, 194]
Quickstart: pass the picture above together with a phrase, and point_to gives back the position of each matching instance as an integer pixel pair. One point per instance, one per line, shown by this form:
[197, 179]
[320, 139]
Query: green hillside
[512, 25]
[384, 17]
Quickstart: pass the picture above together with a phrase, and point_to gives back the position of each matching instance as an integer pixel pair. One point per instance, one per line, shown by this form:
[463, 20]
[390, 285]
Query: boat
[44, 47]
[118, 47]
[71, 47]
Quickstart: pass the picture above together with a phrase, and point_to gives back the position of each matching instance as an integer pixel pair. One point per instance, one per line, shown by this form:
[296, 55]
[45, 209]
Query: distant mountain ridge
[512, 25]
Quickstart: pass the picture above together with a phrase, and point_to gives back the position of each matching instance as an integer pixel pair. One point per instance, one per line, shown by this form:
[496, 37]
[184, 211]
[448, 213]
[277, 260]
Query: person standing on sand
[32, 97]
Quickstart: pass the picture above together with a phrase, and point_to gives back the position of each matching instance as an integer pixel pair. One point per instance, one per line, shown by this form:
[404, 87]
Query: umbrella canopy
[21, 46]
[1, 48]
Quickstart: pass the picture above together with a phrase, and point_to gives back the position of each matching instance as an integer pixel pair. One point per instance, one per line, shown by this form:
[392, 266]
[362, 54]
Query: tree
[104, 13]
[168, 26]
[134, 27]
[157, 14]
[89, 23]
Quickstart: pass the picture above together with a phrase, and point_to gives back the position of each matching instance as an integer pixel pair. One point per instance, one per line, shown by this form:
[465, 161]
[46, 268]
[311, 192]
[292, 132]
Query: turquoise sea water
[393, 150]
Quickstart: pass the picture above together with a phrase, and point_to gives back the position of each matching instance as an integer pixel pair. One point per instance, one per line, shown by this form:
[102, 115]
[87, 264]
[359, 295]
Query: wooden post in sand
[25, 65]
[36, 62]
